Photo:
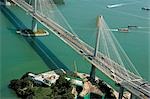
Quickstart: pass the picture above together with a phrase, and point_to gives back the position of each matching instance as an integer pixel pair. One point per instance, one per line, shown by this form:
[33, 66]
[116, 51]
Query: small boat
[114, 5]
[28, 32]
[132, 26]
[145, 8]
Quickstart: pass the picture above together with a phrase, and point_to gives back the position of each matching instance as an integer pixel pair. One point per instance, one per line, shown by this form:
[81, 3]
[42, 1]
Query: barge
[123, 29]
[28, 32]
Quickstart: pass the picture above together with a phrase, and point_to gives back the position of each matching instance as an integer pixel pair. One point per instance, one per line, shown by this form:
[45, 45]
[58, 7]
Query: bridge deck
[106, 65]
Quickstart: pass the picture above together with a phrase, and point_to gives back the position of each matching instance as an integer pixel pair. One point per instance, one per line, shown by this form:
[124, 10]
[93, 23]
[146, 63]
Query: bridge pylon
[34, 22]
[93, 68]
[34, 25]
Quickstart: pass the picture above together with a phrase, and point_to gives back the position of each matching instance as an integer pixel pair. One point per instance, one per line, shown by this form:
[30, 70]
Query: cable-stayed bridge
[103, 60]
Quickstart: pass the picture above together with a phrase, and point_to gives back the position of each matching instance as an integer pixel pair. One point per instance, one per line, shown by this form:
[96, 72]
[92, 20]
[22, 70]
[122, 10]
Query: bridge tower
[34, 22]
[93, 68]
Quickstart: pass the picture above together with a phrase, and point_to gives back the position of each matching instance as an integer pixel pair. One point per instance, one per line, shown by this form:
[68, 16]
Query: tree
[61, 89]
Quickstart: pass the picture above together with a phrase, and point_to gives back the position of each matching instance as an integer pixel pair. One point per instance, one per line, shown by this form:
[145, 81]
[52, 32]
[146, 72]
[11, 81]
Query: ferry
[29, 32]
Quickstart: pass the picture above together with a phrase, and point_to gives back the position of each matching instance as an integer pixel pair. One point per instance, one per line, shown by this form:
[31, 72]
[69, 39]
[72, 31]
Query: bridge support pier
[121, 92]
[92, 73]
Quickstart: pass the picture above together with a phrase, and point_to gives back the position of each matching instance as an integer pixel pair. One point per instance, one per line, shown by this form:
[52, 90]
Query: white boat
[115, 5]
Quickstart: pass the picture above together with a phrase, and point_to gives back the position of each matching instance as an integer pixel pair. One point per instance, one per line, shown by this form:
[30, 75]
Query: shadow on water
[48, 57]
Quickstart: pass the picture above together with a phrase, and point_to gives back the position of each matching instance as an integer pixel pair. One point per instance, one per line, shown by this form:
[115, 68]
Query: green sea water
[18, 57]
